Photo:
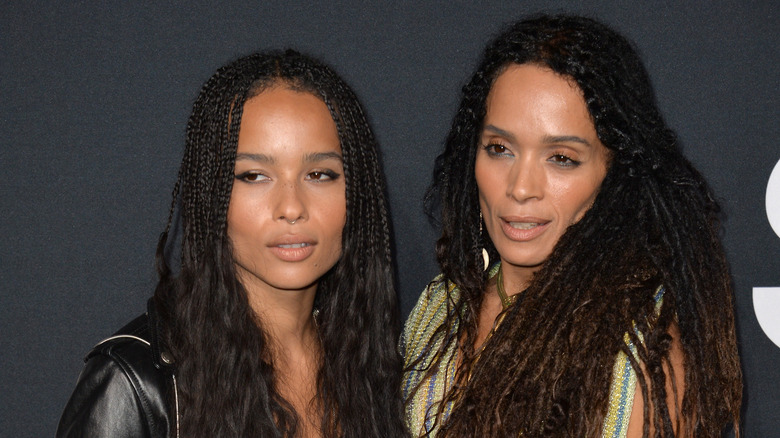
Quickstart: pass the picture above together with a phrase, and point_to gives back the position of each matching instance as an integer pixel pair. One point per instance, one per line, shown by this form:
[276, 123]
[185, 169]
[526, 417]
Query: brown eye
[322, 175]
[497, 149]
[563, 161]
[251, 177]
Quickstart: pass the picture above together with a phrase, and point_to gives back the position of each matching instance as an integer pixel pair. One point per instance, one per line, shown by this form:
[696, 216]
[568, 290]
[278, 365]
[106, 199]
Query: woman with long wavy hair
[608, 308]
[280, 317]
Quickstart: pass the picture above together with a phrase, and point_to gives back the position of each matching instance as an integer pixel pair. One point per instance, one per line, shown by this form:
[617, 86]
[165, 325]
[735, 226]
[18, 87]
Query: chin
[525, 259]
[294, 282]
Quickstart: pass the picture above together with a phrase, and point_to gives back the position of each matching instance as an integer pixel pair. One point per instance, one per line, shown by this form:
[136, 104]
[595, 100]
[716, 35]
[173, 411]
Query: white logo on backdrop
[766, 300]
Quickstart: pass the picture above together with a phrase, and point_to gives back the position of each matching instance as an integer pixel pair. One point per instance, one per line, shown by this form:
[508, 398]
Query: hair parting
[224, 361]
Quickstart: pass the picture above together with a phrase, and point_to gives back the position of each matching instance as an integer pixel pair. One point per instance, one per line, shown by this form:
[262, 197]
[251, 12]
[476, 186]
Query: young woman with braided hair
[608, 310]
[280, 320]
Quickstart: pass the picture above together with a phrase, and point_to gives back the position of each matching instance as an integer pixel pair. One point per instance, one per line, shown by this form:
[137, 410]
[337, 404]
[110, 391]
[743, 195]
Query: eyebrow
[322, 156]
[546, 139]
[499, 131]
[308, 158]
[565, 139]
[255, 157]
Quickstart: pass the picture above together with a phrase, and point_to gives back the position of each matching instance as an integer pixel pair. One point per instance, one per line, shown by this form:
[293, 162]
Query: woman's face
[539, 163]
[288, 205]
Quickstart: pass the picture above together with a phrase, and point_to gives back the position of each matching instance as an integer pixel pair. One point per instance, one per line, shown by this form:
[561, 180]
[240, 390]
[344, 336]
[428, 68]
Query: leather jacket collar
[127, 388]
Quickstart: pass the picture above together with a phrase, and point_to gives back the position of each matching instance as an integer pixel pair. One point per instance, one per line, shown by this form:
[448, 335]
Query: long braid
[225, 367]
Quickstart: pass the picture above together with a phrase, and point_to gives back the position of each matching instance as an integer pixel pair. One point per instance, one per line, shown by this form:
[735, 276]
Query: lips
[521, 229]
[292, 248]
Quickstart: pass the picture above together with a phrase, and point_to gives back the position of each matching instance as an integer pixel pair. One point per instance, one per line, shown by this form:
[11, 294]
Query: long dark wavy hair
[547, 368]
[224, 366]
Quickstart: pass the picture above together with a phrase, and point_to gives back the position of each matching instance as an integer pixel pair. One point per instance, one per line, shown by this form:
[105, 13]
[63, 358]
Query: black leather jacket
[127, 387]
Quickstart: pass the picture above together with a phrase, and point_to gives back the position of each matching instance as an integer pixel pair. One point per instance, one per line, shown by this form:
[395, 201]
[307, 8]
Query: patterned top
[417, 343]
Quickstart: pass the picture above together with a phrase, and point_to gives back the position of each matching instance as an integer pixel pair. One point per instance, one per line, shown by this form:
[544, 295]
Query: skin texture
[653, 222]
[538, 169]
[285, 220]
[288, 169]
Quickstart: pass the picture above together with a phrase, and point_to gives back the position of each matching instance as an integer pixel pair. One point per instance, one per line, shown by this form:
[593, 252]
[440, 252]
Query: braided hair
[546, 370]
[225, 369]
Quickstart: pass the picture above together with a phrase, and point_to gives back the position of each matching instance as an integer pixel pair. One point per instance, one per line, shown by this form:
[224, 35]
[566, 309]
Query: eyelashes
[496, 149]
[253, 176]
[323, 175]
[559, 158]
[564, 160]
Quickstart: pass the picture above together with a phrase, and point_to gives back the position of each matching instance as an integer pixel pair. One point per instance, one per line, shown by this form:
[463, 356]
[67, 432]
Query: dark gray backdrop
[95, 98]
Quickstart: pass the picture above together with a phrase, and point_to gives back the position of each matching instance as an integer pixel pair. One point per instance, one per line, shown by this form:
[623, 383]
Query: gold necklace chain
[506, 300]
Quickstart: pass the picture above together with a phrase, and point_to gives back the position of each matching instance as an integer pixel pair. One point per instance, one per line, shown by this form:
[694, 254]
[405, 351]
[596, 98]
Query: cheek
[489, 182]
[244, 216]
[333, 215]
[336, 222]
[576, 199]
[333, 223]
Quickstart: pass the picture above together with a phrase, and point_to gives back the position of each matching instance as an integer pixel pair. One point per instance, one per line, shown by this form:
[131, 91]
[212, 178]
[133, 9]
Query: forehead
[282, 96]
[282, 110]
[282, 126]
[524, 80]
[532, 92]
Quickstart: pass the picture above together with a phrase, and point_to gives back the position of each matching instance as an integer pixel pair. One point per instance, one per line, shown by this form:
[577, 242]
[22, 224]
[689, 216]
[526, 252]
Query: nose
[290, 202]
[526, 180]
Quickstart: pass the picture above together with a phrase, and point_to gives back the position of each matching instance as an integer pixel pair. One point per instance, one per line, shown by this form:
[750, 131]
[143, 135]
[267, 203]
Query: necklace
[506, 300]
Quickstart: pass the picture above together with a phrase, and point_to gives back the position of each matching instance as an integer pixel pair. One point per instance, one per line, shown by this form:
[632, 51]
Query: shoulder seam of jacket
[121, 337]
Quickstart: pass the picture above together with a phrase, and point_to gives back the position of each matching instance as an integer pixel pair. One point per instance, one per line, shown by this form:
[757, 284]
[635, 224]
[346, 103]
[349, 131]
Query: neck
[516, 278]
[286, 315]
